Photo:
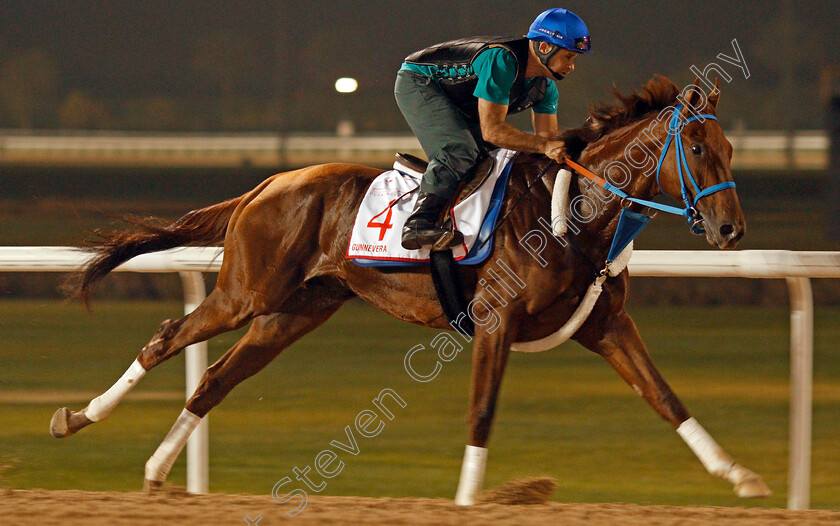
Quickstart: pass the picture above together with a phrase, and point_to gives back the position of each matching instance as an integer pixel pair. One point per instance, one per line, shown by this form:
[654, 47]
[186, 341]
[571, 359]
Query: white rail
[795, 267]
[752, 149]
[15, 140]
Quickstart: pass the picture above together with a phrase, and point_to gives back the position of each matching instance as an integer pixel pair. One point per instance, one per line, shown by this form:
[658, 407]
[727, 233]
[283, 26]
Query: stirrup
[449, 239]
[445, 239]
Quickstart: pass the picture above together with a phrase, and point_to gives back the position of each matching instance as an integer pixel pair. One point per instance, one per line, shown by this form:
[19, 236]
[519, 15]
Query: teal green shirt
[496, 71]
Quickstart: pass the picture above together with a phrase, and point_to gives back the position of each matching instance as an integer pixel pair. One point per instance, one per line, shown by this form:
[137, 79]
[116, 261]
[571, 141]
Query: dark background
[271, 65]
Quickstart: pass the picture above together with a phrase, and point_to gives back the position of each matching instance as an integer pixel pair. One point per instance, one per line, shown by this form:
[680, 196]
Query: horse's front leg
[617, 340]
[490, 356]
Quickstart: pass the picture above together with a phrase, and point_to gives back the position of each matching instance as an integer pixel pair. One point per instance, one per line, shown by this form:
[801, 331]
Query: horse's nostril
[727, 230]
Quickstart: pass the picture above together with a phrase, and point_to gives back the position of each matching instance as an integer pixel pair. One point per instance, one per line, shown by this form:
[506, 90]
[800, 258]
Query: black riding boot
[422, 226]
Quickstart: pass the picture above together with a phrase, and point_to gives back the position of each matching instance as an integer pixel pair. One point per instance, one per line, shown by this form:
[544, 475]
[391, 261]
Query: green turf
[563, 413]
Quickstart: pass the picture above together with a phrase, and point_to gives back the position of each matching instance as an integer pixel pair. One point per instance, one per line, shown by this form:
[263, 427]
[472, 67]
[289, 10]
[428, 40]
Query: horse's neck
[597, 217]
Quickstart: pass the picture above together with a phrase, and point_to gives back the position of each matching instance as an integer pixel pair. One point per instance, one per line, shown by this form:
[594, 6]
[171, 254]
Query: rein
[693, 219]
[630, 224]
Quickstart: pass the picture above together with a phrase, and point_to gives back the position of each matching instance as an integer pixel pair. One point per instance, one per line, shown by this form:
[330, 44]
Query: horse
[285, 270]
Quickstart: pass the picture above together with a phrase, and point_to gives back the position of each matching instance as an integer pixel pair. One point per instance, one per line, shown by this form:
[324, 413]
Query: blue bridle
[693, 218]
[689, 212]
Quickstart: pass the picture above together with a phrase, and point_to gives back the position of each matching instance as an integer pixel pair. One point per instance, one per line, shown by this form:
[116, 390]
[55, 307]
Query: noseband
[693, 218]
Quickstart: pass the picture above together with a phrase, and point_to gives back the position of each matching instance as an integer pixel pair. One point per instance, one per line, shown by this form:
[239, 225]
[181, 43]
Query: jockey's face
[563, 62]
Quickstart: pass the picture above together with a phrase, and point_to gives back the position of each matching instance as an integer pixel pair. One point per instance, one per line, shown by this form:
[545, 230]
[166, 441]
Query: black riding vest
[458, 80]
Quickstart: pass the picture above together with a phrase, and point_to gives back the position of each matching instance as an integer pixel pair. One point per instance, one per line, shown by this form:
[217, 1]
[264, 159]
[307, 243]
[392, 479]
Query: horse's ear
[695, 98]
[714, 97]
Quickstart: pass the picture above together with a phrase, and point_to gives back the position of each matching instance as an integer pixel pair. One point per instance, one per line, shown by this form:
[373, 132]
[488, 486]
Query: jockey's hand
[556, 150]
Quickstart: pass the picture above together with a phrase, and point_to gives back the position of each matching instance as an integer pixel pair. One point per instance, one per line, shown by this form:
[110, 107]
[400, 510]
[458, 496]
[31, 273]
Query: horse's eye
[696, 149]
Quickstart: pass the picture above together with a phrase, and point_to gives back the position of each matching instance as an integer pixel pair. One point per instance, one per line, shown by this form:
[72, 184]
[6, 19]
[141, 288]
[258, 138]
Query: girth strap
[449, 290]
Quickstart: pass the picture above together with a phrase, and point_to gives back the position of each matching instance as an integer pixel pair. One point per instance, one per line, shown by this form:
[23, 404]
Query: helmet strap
[545, 58]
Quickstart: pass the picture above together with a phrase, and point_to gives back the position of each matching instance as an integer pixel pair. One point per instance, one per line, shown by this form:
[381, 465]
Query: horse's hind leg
[253, 281]
[619, 343]
[266, 338]
[218, 313]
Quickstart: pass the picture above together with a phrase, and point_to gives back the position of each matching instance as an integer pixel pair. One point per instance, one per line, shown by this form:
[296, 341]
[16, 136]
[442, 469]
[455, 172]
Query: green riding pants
[448, 139]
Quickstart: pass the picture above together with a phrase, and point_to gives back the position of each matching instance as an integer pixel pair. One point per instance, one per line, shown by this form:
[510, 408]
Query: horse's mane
[659, 93]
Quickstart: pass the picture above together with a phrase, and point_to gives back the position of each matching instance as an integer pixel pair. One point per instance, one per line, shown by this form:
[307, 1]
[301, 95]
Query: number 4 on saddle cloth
[389, 200]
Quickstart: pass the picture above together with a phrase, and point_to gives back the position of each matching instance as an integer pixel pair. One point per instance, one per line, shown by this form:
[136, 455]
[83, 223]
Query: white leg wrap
[472, 475]
[714, 458]
[100, 407]
[158, 466]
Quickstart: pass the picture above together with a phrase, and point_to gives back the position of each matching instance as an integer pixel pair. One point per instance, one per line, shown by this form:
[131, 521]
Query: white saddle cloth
[390, 200]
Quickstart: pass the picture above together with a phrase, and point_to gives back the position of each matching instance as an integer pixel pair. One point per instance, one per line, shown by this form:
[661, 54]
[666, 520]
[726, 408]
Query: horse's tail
[203, 227]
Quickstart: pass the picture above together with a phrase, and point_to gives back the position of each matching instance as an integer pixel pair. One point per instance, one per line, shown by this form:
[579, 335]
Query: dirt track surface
[69, 508]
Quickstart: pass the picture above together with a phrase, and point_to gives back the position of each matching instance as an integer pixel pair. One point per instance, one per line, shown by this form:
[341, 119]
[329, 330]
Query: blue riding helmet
[562, 28]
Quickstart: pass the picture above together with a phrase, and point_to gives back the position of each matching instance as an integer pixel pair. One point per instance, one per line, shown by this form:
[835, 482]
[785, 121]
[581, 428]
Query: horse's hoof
[752, 488]
[747, 483]
[60, 423]
[65, 422]
[152, 486]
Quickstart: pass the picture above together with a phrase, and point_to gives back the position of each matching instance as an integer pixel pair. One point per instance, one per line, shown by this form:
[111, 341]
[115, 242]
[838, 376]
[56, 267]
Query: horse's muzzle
[724, 234]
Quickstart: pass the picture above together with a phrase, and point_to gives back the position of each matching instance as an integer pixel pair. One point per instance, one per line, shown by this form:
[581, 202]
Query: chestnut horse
[284, 269]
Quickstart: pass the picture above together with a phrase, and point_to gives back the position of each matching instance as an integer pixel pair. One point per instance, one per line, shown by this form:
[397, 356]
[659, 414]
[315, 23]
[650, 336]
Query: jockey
[455, 97]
